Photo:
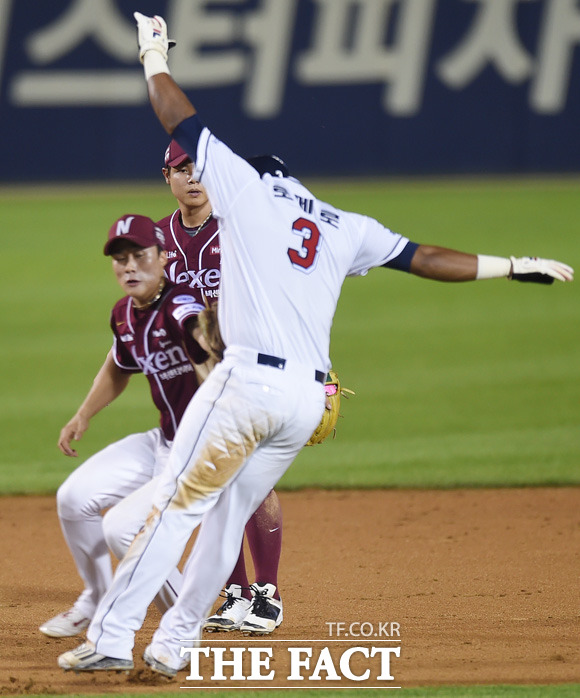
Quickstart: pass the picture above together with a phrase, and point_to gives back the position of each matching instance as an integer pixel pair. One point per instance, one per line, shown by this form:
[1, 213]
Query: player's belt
[277, 362]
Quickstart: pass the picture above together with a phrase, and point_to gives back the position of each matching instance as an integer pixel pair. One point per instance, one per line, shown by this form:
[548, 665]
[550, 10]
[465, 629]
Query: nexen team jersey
[154, 342]
[303, 248]
[193, 259]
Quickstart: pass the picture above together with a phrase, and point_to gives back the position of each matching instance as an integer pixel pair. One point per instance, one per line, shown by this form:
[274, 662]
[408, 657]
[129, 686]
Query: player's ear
[163, 257]
[165, 171]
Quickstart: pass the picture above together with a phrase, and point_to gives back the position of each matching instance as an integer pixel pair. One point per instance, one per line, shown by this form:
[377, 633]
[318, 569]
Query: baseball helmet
[269, 164]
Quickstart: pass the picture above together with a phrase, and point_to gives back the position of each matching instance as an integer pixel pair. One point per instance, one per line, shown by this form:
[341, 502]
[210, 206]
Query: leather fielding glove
[334, 392]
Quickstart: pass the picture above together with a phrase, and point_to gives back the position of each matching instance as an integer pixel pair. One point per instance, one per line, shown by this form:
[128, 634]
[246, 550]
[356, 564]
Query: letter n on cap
[123, 226]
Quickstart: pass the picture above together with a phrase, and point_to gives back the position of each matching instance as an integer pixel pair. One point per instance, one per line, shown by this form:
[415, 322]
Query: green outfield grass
[456, 385]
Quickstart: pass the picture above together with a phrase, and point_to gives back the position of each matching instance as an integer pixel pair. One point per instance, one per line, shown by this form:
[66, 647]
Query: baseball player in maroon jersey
[152, 329]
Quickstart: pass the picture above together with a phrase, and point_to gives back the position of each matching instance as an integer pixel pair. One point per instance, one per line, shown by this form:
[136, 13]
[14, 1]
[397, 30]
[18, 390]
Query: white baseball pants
[103, 480]
[240, 433]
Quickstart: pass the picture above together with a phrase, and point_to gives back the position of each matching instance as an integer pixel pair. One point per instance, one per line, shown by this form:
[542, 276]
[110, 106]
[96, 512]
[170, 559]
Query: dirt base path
[471, 586]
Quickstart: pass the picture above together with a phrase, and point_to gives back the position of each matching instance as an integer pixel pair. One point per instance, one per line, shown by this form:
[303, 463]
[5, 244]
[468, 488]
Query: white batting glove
[540, 271]
[152, 35]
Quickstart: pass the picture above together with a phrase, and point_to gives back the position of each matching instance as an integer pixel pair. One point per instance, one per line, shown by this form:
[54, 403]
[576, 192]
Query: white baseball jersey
[284, 257]
[285, 254]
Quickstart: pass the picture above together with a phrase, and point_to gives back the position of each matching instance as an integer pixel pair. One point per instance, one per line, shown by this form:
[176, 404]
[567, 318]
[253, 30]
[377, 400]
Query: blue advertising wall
[343, 87]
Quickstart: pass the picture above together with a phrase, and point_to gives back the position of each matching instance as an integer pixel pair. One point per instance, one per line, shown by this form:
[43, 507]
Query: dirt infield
[482, 583]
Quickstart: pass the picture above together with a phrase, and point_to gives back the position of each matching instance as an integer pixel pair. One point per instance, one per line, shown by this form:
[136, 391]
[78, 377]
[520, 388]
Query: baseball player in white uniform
[285, 255]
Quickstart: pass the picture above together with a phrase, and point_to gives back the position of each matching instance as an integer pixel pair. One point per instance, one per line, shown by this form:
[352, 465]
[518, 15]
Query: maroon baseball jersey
[193, 255]
[154, 341]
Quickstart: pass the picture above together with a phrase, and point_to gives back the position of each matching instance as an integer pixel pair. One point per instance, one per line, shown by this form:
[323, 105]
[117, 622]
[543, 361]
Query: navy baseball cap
[175, 155]
[139, 230]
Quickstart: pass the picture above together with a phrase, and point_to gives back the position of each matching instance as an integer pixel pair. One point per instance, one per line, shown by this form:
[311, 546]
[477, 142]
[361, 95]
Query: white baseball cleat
[160, 667]
[231, 613]
[67, 624]
[85, 658]
[265, 613]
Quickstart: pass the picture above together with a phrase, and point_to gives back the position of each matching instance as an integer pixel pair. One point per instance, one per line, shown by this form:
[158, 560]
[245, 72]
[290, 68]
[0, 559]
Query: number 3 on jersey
[305, 258]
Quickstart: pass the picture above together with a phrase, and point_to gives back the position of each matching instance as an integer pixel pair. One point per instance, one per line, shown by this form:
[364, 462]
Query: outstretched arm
[443, 264]
[109, 383]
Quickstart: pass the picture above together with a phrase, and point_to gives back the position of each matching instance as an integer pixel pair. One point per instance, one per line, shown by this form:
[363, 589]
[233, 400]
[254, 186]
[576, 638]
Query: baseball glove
[210, 330]
[334, 393]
